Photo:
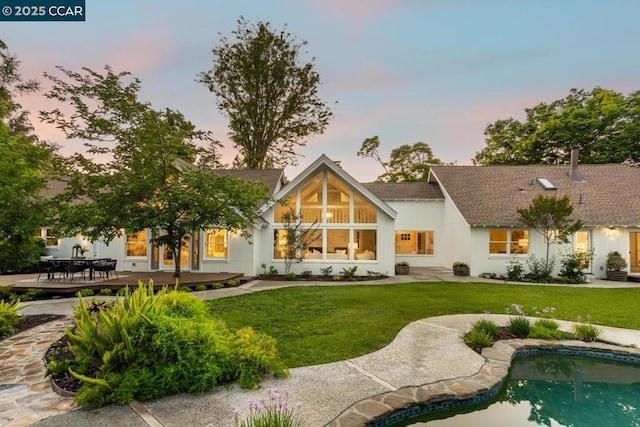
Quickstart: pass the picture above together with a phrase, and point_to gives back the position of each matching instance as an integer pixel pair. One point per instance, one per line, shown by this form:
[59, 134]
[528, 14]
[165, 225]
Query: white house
[462, 213]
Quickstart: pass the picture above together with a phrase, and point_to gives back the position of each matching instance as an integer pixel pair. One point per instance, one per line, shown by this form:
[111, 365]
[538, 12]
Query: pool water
[554, 390]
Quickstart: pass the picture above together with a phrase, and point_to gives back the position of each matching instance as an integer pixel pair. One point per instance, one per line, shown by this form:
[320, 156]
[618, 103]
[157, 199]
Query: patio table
[67, 262]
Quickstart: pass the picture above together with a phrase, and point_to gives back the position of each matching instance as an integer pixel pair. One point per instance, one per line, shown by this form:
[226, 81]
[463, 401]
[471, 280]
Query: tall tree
[268, 93]
[25, 166]
[603, 124]
[550, 216]
[408, 163]
[143, 178]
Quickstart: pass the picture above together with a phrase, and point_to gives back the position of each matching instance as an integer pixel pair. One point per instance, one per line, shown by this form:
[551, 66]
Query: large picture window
[137, 244]
[511, 242]
[334, 208]
[215, 243]
[414, 242]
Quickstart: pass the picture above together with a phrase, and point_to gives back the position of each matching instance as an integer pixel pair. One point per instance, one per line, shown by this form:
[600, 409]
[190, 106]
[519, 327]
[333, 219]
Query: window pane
[279, 243]
[280, 210]
[519, 242]
[215, 243]
[365, 244]
[337, 201]
[337, 244]
[364, 212]
[498, 241]
[50, 240]
[311, 200]
[137, 244]
[414, 242]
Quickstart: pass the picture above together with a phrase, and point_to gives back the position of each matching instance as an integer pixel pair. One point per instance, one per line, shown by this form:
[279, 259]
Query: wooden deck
[125, 278]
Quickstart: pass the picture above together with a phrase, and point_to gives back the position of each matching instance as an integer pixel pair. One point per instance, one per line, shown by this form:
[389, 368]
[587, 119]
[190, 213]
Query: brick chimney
[574, 172]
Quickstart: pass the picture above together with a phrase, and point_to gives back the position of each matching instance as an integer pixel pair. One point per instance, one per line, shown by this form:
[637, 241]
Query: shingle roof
[271, 177]
[404, 190]
[490, 195]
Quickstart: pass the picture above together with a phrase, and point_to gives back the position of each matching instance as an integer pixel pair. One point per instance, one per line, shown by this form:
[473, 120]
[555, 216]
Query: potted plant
[460, 269]
[402, 268]
[615, 267]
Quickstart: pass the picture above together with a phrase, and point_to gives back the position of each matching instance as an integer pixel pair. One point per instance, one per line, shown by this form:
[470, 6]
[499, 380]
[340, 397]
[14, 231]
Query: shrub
[6, 293]
[545, 329]
[145, 346]
[539, 270]
[184, 289]
[9, 317]
[486, 325]
[106, 291]
[216, 285]
[488, 276]
[349, 273]
[477, 339]
[337, 278]
[586, 332]
[519, 326]
[201, 287]
[233, 282]
[326, 271]
[615, 261]
[515, 270]
[21, 255]
[31, 294]
[571, 268]
[271, 272]
[290, 276]
[86, 292]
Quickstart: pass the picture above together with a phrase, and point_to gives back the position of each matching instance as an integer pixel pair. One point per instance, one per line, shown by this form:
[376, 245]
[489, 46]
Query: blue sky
[436, 71]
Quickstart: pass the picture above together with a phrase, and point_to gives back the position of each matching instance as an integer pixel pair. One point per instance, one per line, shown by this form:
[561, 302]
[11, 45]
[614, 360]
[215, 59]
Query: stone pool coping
[385, 408]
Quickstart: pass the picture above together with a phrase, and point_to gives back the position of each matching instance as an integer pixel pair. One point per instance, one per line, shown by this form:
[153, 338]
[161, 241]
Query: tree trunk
[176, 261]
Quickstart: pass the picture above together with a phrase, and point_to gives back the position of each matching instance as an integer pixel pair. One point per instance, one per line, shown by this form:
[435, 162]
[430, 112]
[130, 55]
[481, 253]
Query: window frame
[127, 243]
[225, 244]
[408, 236]
[509, 242]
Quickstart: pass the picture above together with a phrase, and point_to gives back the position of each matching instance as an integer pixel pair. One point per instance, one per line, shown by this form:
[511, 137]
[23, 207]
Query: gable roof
[404, 190]
[491, 195]
[321, 163]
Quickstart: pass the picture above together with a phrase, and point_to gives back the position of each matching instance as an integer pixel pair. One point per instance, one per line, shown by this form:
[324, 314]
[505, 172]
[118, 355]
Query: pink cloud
[359, 12]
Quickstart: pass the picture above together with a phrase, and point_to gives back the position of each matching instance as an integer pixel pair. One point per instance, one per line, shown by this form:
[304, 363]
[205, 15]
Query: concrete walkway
[424, 352]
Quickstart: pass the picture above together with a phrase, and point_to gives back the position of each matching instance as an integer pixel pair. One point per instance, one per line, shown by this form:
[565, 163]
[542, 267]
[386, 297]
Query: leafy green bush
[477, 339]
[106, 291]
[586, 332]
[184, 289]
[539, 270]
[31, 294]
[349, 273]
[6, 293]
[571, 267]
[9, 317]
[486, 325]
[326, 271]
[86, 292]
[233, 282]
[515, 270]
[519, 326]
[545, 329]
[21, 255]
[290, 276]
[146, 345]
[217, 285]
[201, 287]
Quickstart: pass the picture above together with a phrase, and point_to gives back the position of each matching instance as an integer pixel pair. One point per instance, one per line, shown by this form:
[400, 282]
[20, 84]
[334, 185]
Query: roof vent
[546, 184]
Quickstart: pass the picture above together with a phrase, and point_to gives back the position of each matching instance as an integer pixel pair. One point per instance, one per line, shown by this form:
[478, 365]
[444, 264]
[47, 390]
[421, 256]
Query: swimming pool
[549, 387]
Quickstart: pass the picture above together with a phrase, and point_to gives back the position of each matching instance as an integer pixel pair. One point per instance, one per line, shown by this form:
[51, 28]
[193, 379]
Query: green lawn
[316, 325]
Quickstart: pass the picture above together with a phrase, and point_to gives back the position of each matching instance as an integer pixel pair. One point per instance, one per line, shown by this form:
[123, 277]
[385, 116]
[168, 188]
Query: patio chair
[45, 267]
[76, 267]
[104, 267]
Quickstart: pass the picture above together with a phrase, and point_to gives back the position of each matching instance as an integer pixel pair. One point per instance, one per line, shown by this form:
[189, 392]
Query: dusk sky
[436, 71]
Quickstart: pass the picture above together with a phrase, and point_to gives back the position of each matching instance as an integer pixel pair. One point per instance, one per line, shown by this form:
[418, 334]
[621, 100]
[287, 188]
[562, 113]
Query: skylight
[546, 184]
